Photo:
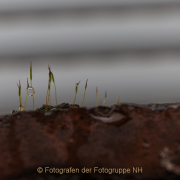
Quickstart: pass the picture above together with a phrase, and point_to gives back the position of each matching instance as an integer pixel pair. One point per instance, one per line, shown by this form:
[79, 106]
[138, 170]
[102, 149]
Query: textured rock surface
[121, 136]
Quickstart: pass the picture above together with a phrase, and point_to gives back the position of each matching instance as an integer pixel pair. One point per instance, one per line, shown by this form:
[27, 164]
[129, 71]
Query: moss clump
[60, 107]
[48, 107]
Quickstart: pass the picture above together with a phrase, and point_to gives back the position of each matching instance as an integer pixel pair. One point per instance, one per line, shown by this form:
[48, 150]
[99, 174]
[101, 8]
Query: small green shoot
[31, 73]
[118, 100]
[48, 98]
[26, 93]
[31, 83]
[105, 98]
[54, 87]
[76, 90]
[19, 93]
[84, 93]
[96, 96]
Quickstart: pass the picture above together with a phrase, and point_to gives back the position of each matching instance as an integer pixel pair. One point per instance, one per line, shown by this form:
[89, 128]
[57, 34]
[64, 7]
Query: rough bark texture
[125, 137]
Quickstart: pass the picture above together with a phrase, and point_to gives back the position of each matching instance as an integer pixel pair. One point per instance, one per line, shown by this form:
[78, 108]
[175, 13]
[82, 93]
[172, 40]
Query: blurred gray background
[129, 48]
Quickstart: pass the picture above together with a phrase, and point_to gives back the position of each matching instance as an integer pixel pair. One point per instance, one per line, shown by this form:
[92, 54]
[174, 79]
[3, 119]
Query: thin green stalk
[105, 98]
[96, 96]
[26, 93]
[48, 98]
[76, 90]
[19, 93]
[49, 86]
[84, 93]
[31, 83]
[118, 100]
[31, 73]
[54, 88]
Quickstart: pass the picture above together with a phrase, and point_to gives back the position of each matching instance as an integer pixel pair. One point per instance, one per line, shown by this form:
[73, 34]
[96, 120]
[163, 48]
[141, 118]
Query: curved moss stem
[84, 93]
[19, 93]
[76, 90]
[26, 93]
[105, 98]
[52, 77]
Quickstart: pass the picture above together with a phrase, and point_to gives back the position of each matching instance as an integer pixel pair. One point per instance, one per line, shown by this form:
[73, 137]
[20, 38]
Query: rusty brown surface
[76, 138]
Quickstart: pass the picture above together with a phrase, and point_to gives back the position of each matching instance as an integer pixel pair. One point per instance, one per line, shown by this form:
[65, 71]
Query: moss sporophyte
[47, 107]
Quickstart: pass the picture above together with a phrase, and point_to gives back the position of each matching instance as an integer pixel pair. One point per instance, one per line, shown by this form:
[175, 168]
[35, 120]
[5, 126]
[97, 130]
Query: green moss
[47, 106]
